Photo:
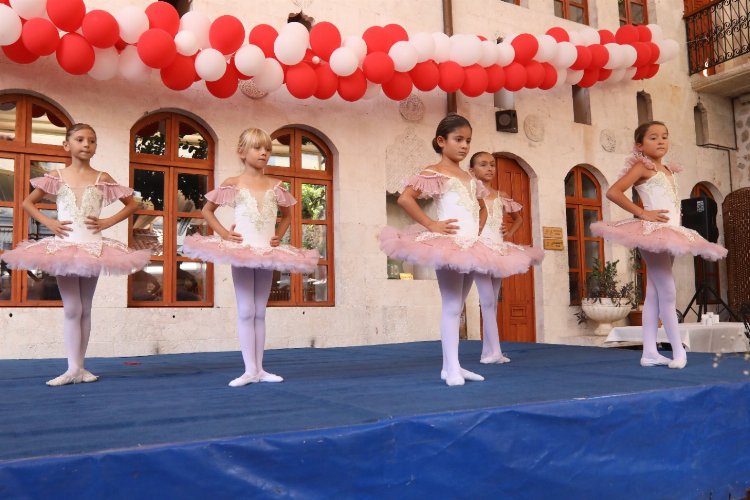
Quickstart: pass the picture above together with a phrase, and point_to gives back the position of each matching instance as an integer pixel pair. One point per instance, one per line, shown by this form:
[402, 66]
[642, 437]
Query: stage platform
[377, 422]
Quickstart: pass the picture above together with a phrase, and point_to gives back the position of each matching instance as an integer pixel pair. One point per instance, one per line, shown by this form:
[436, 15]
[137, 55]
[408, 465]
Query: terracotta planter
[605, 312]
[635, 317]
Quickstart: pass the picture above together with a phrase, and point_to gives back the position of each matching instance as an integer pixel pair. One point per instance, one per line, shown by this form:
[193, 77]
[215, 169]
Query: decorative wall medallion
[411, 108]
[533, 126]
[608, 140]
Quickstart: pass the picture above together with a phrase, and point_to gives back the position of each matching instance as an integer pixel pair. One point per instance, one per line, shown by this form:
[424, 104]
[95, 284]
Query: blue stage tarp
[374, 422]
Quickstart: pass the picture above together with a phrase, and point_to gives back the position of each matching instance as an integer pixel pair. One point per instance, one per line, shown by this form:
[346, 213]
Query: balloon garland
[320, 62]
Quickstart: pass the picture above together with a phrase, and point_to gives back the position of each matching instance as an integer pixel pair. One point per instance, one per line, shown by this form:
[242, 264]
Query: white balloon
[629, 73]
[562, 74]
[356, 44]
[442, 47]
[10, 26]
[29, 9]
[465, 49]
[505, 53]
[186, 42]
[197, 23]
[656, 32]
[210, 64]
[575, 37]
[628, 56]
[488, 55]
[574, 76]
[106, 64]
[343, 61]
[289, 48]
[249, 60]
[133, 23]
[404, 56]
[131, 66]
[296, 31]
[566, 55]
[615, 56]
[670, 48]
[424, 44]
[589, 36]
[547, 48]
[271, 76]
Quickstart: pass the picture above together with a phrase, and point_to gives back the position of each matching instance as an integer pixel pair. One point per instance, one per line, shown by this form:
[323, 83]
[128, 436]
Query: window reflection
[151, 139]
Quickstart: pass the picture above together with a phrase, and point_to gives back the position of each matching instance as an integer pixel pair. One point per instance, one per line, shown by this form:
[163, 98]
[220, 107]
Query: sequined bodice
[75, 204]
[459, 201]
[255, 220]
[493, 227]
[659, 193]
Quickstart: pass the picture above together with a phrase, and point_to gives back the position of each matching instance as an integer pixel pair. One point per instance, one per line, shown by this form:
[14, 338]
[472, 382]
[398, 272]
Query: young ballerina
[482, 166]
[657, 232]
[78, 253]
[251, 246]
[450, 244]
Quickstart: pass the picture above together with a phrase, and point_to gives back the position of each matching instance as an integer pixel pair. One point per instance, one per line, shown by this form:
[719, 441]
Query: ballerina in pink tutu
[78, 253]
[657, 232]
[482, 166]
[451, 244]
[252, 246]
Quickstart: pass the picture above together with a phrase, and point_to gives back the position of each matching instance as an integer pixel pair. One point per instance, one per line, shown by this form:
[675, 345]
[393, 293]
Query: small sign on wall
[553, 238]
[550, 244]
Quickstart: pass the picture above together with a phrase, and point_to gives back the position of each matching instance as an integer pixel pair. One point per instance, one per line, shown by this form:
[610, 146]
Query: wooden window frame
[22, 151]
[701, 276]
[583, 4]
[295, 175]
[628, 19]
[172, 166]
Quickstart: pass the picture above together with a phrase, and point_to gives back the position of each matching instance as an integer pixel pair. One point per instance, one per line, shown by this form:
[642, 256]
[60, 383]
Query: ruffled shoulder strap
[482, 191]
[637, 157]
[50, 184]
[428, 185]
[113, 191]
[510, 205]
[223, 195]
[283, 197]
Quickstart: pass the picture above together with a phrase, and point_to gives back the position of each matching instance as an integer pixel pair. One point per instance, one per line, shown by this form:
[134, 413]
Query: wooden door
[516, 319]
[700, 28]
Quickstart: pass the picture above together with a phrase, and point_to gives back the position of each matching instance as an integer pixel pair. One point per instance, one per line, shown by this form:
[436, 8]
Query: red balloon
[590, 77]
[583, 60]
[606, 36]
[599, 55]
[644, 34]
[550, 77]
[643, 54]
[641, 73]
[515, 76]
[378, 67]
[227, 34]
[526, 46]
[163, 16]
[301, 81]
[75, 55]
[101, 29]
[66, 14]
[451, 76]
[377, 39]
[425, 75]
[353, 87]
[263, 35]
[18, 53]
[40, 36]
[627, 34]
[121, 44]
[397, 33]
[495, 78]
[652, 70]
[156, 48]
[324, 39]
[655, 52]
[226, 86]
[475, 81]
[234, 67]
[535, 74]
[558, 34]
[180, 74]
[399, 87]
[604, 74]
[328, 82]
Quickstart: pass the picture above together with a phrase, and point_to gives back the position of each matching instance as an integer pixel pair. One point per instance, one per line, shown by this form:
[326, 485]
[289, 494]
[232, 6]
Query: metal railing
[717, 33]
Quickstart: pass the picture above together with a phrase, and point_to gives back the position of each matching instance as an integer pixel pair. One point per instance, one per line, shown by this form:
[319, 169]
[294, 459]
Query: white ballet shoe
[269, 377]
[659, 361]
[465, 374]
[244, 379]
[87, 376]
[678, 364]
[65, 379]
[453, 381]
[498, 358]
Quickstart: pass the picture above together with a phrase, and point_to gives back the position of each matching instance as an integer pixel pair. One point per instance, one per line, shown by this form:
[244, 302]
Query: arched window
[305, 164]
[706, 271]
[31, 135]
[583, 206]
[171, 168]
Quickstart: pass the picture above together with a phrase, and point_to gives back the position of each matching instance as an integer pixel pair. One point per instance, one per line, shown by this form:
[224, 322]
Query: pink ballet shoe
[498, 358]
[88, 377]
[678, 364]
[659, 361]
[244, 379]
[65, 379]
[269, 377]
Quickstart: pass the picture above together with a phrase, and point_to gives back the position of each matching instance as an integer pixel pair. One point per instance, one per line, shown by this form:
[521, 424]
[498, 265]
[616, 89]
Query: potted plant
[606, 300]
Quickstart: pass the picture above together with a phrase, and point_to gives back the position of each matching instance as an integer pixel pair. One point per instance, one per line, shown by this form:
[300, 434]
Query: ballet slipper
[678, 364]
[87, 376]
[498, 358]
[658, 361]
[65, 379]
[465, 374]
[264, 376]
[244, 379]
[454, 381]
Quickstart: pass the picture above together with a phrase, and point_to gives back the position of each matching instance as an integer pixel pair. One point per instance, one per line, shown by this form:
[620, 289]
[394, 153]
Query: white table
[721, 337]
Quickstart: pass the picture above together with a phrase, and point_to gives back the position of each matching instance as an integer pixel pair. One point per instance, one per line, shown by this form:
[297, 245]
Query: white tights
[77, 295]
[454, 287]
[252, 288]
[488, 288]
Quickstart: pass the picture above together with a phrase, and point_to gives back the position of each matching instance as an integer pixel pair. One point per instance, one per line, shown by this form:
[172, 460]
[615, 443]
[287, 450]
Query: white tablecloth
[721, 337]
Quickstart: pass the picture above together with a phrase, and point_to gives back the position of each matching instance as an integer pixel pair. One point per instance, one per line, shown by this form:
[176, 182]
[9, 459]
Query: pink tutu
[281, 258]
[58, 257]
[658, 237]
[425, 248]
